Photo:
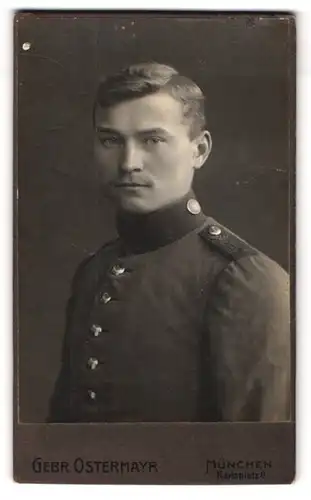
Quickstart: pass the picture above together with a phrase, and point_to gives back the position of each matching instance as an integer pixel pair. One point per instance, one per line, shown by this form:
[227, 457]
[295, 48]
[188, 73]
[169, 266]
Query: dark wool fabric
[177, 320]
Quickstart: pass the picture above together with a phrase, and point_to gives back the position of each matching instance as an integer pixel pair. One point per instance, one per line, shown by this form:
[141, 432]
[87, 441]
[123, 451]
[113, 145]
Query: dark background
[242, 64]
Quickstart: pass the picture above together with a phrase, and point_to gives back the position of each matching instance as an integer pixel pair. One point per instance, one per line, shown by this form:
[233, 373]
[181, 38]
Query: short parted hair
[148, 78]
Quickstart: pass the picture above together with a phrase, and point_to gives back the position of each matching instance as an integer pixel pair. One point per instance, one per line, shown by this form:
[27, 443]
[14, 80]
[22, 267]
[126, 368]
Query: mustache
[131, 181]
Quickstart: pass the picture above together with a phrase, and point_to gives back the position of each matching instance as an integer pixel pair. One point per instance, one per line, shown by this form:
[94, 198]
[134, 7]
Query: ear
[202, 148]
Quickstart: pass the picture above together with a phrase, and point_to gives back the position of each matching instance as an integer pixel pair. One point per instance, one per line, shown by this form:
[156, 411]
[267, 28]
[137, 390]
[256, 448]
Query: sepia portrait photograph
[154, 235]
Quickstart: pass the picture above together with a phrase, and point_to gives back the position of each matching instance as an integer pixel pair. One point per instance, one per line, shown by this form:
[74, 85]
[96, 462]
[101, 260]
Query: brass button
[92, 363]
[193, 206]
[117, 270]
[105, 298]
[214, 230]
[96, 330]
[91, 394]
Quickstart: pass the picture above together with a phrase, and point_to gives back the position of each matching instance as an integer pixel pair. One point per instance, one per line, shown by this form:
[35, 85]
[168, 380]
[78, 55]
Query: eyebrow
[107, 130]
[156, 130]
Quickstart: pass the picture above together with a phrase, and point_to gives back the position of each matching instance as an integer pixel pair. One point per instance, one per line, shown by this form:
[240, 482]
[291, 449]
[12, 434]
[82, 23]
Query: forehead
[159, 110]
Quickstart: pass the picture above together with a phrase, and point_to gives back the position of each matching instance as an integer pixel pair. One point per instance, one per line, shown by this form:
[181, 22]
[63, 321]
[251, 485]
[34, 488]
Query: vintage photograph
[155, 167]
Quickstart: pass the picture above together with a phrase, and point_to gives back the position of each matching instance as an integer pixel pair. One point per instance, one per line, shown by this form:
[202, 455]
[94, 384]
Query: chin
[134, 205]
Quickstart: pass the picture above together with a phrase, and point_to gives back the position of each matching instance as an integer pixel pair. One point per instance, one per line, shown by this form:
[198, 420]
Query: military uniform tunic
[176, 320]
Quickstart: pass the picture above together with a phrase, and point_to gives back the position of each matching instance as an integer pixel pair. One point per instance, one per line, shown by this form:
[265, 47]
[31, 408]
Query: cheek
[106, 161]
[174, 163]
[180, 152]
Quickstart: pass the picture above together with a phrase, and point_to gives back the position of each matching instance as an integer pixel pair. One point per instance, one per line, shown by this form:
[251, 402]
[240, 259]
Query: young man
[178, 319]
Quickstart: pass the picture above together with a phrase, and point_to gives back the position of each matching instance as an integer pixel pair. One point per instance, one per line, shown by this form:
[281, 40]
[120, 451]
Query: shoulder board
[228, 243]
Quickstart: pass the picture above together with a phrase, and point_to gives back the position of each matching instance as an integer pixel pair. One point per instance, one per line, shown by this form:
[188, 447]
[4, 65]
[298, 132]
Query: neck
[145, 232]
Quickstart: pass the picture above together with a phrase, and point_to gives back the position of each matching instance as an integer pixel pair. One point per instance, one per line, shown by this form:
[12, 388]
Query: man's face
[144, 152]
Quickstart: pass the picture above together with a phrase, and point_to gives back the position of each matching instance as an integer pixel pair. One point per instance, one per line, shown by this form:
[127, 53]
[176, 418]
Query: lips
[129, 185]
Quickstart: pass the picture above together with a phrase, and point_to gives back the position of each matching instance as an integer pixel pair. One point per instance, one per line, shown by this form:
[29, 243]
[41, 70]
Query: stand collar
[141, 233]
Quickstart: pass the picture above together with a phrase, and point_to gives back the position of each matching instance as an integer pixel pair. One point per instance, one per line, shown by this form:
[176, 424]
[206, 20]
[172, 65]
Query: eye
[110, 141]
[151, 141]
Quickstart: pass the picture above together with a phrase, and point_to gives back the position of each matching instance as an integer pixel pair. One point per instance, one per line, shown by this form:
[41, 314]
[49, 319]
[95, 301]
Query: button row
[105, 297]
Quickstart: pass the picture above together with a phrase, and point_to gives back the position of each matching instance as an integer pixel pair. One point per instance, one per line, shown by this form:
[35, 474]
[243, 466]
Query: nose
[131, 159]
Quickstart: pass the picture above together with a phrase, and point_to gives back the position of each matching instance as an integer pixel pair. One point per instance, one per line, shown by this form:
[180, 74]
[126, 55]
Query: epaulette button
[214, 231]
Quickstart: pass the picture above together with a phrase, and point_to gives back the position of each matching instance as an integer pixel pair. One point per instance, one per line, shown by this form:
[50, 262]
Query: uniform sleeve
[248, 341]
